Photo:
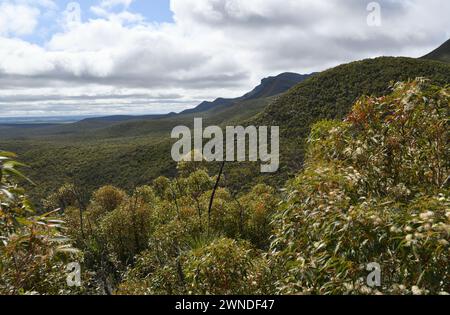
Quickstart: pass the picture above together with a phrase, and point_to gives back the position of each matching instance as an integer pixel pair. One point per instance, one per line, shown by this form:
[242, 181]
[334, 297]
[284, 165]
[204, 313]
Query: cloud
[106, 10]
[213, 48]
[112, 3]
[17, 19]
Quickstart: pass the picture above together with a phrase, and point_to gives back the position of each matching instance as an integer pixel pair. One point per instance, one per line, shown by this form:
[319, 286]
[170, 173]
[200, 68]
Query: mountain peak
[275, 85]
[442, 53]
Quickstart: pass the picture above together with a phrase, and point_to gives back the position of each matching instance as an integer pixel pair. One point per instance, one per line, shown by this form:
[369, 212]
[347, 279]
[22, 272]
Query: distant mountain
[218, 111]
[269, 87]
[440, 54]
[276, 85]
[40, 120]
[205, 106]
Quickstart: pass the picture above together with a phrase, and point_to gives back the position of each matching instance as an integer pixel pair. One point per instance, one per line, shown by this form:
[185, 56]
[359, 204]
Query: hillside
[442, 53]
[330, 94]
[276, 85]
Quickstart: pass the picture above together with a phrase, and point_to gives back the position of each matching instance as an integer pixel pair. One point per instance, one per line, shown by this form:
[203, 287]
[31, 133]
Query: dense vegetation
[132, 153]
[126, 154]
[374, 189]
[330, 94]
[34, 250]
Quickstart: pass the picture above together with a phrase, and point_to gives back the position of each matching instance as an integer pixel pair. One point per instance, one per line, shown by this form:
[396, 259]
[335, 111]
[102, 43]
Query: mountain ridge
[268, 87]
[442, 53]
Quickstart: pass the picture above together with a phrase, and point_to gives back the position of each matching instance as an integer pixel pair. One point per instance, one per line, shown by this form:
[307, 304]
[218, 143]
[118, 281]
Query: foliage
[375, 189]
[329, 95]
[127, 228]
[33, 249]
[223, 268]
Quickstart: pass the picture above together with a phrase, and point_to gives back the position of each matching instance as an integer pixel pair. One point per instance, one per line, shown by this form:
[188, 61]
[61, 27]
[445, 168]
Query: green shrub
[33, 248]
[126, 229]
[374, 190]
[222, 268]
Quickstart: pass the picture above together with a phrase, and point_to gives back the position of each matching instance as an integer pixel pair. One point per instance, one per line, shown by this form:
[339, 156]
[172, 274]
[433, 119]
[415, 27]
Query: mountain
[268, 87]
[205, 106]
[40, 120]
[276, 85]
[440, 54]
[330, 93]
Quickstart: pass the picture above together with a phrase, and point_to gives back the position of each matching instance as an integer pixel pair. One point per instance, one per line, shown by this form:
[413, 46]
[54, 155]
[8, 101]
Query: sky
[108, 57]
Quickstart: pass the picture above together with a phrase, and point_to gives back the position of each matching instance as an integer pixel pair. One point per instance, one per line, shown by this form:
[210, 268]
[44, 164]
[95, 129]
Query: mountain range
[269, 87]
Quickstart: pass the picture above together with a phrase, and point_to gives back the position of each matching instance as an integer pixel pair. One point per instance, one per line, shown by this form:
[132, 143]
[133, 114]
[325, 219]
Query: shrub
[222, 268]
[126, 229]
[374, 190]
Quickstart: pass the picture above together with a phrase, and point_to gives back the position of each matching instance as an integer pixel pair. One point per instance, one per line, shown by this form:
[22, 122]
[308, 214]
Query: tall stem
[214, 193]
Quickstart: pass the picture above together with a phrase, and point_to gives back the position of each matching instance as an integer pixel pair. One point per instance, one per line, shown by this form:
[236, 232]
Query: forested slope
[330, 95]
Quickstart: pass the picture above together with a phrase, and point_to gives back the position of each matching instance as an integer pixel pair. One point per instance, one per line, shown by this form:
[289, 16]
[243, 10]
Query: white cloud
[17, 19]
[105, 10]
[124, 17]
[21, 58]
[113, 3]
[214, 47]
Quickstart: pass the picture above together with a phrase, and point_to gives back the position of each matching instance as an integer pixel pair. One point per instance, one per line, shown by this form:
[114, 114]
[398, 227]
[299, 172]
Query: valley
[131, 151]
